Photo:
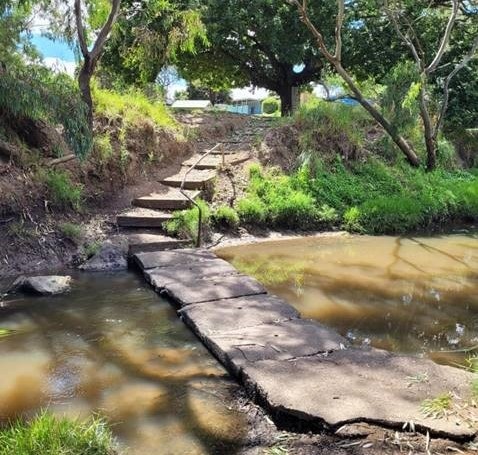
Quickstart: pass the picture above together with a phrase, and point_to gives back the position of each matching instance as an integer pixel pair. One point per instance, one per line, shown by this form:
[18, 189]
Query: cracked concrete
[300, 370]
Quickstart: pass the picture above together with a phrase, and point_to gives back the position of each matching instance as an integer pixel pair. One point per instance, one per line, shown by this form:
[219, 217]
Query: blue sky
[53, 49]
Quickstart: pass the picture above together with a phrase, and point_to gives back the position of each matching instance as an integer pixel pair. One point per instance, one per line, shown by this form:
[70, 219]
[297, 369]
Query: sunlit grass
[437, 407]
[131, 107]
[48, 435]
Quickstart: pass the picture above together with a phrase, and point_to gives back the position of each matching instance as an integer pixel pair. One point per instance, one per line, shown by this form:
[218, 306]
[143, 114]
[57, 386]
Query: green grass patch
[63, 192]
[48, 435]
[370, 197]
[72, 231]
[437, 407]
[184, 223]
[225, 217]
[132, 106]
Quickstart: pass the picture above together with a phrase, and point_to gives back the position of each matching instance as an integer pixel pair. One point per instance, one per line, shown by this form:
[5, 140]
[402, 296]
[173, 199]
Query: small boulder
[109, 258]
[44, 285]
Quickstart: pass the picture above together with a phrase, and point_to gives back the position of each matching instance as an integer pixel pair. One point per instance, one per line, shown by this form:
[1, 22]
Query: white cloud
[62, 66]
[255, 93]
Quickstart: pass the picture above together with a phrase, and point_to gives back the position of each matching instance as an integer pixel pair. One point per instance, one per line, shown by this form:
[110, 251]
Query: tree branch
[81, 30]
[446, 88]
[445, 39]
[105, 30]
[338, 29]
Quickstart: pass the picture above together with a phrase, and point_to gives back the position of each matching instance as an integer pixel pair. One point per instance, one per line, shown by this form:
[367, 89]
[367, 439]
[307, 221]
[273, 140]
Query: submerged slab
[161, 276]
[229, 314]
[364, 385]
[214, 288]
[278, 341]
[172, 258]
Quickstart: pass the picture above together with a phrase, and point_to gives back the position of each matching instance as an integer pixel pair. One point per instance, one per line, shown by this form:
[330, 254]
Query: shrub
[71, 231]
[270, 105]
[46, 434]
[251, 210]
[40, 94]
[225, 216]
[63, 192]
[184, 223]
[91, 249]
[102, 145]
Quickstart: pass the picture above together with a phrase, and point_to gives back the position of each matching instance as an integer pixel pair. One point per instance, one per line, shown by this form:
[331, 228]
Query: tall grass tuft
[46, 434]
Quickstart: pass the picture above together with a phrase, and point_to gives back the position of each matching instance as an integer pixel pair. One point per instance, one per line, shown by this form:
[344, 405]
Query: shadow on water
[404, 294]
[113, 347]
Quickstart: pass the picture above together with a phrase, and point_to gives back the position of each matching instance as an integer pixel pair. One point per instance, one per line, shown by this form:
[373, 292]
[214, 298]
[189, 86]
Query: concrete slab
[146, 242]
[172, 199]
[223, 315]
[278, 341]
[171, 258]
[356, 385]
[214, 288]
[161, 276]
[196, 179]
[140, 217]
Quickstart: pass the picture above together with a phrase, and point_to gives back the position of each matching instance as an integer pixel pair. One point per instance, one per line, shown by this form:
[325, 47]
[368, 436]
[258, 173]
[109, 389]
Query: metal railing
[183, 192]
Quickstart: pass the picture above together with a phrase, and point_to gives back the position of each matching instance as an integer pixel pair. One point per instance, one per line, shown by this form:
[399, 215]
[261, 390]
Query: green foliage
[365, 197]
[437, 407]
[63, 192]
[327, 128]
[270, 105]
[148, 36]
[38, 93]
[71, 231]
[184, 223]
[132, 106]
[102, 144]
[225, 217]
[91, 249]
[46, 434]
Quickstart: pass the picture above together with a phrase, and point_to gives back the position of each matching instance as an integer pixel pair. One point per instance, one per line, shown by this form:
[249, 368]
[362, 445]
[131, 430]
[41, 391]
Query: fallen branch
[60, 160]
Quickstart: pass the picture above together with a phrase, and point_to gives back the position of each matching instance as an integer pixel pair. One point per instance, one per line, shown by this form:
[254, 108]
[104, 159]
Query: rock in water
[44, 285]
[109, 259]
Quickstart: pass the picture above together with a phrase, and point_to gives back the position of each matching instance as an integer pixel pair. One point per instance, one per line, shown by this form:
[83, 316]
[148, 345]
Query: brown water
[402, 294]
[113, 347]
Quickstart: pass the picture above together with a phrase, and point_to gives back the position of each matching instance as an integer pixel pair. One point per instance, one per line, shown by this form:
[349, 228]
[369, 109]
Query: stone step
[170, 200]
[147, 242]
[214, 161]
[140, 217]
[196, 179]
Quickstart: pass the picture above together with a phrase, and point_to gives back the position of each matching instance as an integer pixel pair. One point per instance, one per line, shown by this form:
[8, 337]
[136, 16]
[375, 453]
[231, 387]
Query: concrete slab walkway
[304, 373]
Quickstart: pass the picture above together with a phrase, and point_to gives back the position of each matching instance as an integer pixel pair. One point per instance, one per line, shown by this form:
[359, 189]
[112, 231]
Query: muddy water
[113, 347]
[414, 295]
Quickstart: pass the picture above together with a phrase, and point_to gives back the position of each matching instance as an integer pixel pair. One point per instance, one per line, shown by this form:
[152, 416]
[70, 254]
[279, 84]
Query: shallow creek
[113, 347]
[404, 294]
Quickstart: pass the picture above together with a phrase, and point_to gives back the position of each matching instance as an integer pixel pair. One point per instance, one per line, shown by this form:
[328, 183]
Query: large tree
[261, 42]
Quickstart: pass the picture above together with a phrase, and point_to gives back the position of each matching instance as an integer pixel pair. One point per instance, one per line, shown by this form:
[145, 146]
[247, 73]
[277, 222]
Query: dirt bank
[45, 226]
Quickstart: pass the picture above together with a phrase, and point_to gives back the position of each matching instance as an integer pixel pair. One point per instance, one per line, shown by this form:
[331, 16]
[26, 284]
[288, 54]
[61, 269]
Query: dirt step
[215, 161]
[140, 217]
[196, 179]
[146, 242]
[170, 200]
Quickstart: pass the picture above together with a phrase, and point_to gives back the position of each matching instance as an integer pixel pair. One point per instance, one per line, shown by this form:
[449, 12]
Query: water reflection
[114, 347]
[402, 294]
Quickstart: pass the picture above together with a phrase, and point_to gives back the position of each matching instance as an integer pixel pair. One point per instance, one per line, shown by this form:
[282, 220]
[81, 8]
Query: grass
[71, 231]
[48, 435]
[91, 249]
[184, 223]
[63, 192]
[437, 407]
[132, 106]
[370, 197]
[5, 332]
[225, 217]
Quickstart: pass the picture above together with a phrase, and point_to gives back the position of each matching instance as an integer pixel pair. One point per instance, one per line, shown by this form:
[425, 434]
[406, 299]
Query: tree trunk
[84, 81]
[430, 136]
[285, 94]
